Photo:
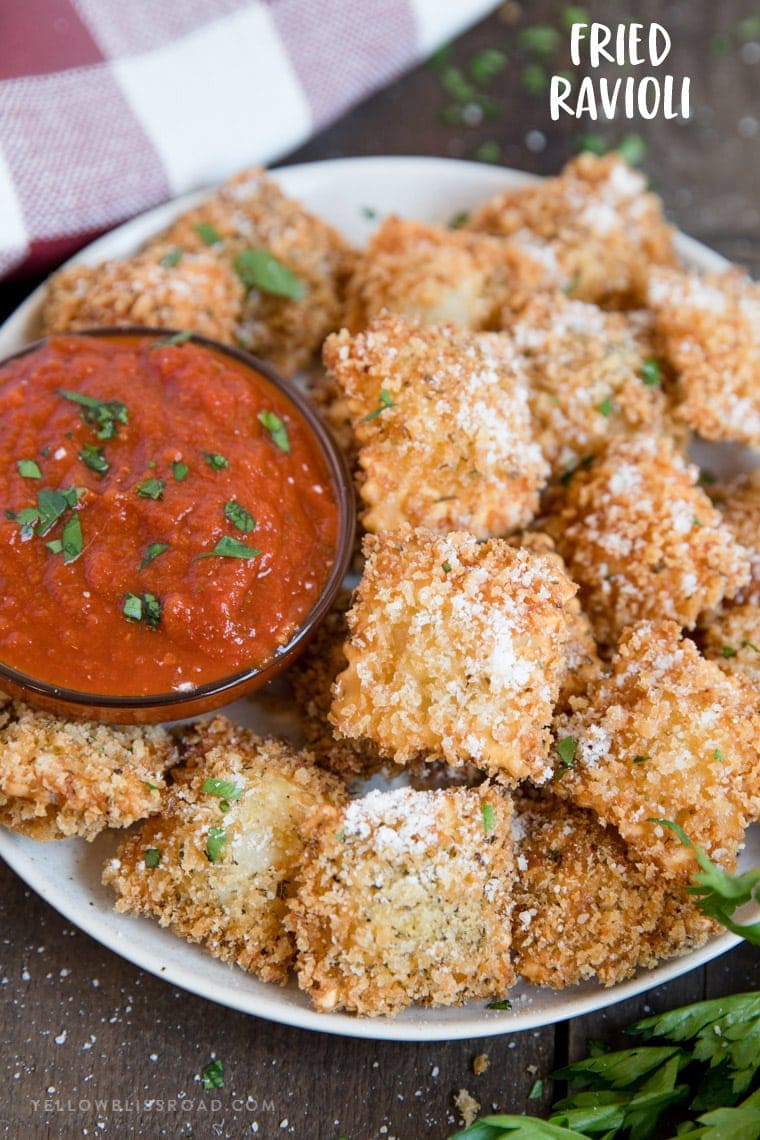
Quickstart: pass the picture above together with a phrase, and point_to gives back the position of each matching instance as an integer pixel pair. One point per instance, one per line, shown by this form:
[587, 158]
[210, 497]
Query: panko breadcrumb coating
[404, 896]
[710, 329]
[247, 213]
[587, 377]
[457, 651]
[730, 636]
[217, 864]
[595, 227]
[439, 275]
[583, 908]
[666, 736]
[60, 777]
[441, 418]
[197, 293]
[739, 503]
[642, 540]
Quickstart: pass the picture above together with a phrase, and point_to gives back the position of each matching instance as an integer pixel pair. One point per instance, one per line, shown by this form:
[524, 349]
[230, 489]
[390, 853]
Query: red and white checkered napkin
[108, 107]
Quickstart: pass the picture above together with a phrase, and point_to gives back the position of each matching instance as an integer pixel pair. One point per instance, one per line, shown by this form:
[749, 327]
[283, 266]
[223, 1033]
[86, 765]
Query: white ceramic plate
[67, 874]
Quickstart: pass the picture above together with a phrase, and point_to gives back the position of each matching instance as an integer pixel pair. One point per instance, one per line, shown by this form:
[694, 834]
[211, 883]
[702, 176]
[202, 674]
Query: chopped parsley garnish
[105, 415]
[750, 645]
[572, 284]
[489, 818]
[228, 547]
[566, 749]
[718, 755]
[606, 407]
[651, 373]
[72, 539]
[696, 522]
[151, 787]
[641, 759]
[143, 608]
[728, 651]
[28, 469]
[179, 471]
[94, 458]
[385, 403]
[175, 340]
[215, 461]
[51, 505]
[536, 1090]
[503, 1003]
[446, 567]
[212, 1077]
[456, 221]
[277, 430]
[239, 516]
[172, 258]
[152, 857]
[217, 837]
[224, 789]
[369, 212]
[258, 269]
[151, 489]
[208, 233]
[55, 546]
[152, 551]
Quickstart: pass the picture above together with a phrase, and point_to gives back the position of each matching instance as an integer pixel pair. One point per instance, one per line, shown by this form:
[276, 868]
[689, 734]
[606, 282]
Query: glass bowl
[203, 698]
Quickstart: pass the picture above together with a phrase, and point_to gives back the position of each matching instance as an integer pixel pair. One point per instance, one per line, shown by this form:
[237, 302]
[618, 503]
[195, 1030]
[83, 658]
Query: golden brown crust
[457, 651]
[441, 418]
[666, 736]
[198, 293]
[730, 636]
[595, 226]
[739, 502]
[404, 897]
[234, 905]
[60, 777]
[642, 540]
[709, 326]
[583, 908]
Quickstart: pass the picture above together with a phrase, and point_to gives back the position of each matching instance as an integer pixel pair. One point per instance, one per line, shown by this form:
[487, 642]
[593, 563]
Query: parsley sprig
[104, 415]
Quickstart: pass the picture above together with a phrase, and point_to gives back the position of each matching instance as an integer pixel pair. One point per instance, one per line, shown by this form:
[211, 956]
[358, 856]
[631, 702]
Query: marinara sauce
[167, 517]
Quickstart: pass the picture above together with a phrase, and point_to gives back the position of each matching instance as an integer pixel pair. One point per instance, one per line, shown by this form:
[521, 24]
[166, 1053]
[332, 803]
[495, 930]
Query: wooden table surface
[93, 1046]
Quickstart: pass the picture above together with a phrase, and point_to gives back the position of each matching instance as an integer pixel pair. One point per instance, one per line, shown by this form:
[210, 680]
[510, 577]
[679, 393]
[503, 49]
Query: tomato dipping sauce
[167, 516]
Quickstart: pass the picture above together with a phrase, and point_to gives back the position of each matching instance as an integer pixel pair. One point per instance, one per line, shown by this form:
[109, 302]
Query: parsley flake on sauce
[277, 430]
[385, 402]
[151, 488]
[224, 789]
[228, 547]
[152, 857]
[215, 461]
[72, 543]
[176, 340]
[489, 818]
[239, 516]
[180, 471]
[94, 458]
[28, 469]
[105, 415]
[152, 551]
[212, 1076]
[217, 837]
[143, 608]
[258, 269]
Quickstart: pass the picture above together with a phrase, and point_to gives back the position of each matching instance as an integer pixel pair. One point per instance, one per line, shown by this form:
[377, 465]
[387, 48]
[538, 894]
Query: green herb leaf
[151, 489]
[369, 212]
[215, 461]
[641, 759]
[536, 1090]
[55, 546]
[152, 857]
[217, 837]
[132, 607]
[174, 341]
[606, 407]
[212, 1076]
[50, 506]
[718, 755]
[566, 749]
[28, 469]
[258, 269]
[105, 415]
[228, 547]
[208, 233]
[277, 430]
[225, 789]
[179, 471]
[446, 567]
[239, 516]
[489, 818]
[385, 403]
[72, 539]
[151, 787]
[144, 608]
[94, 458]
[651, 373]
[728, 651]
[172, 258]
[456, 221]
[152, 551]
[502, 1003]
[632, 149]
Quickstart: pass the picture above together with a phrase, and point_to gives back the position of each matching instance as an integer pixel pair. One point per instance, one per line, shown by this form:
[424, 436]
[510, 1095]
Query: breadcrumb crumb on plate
[217, 863]
[443, 427]
[666, 736]
[457, 651]
[61, 777]
[404, 896]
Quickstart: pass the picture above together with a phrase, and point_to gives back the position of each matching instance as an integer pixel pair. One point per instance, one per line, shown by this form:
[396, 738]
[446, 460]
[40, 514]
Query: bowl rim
[342, 481]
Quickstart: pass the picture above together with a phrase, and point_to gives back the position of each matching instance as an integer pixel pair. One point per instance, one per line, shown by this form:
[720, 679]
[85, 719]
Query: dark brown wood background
[78, 1023]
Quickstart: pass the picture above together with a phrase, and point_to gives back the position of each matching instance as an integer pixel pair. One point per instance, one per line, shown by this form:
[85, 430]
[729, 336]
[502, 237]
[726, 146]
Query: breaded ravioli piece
[730, 636]
[60, 777]
[218, 862]
[442, 423]
[739, 503]
[457, 651]
[710, 329]
[597, 229]
[643, 540]
[405, 896]
[291, 303]
[591, 374]
[439, 275]
[583, 908]
[196, 292]
[666, 736]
